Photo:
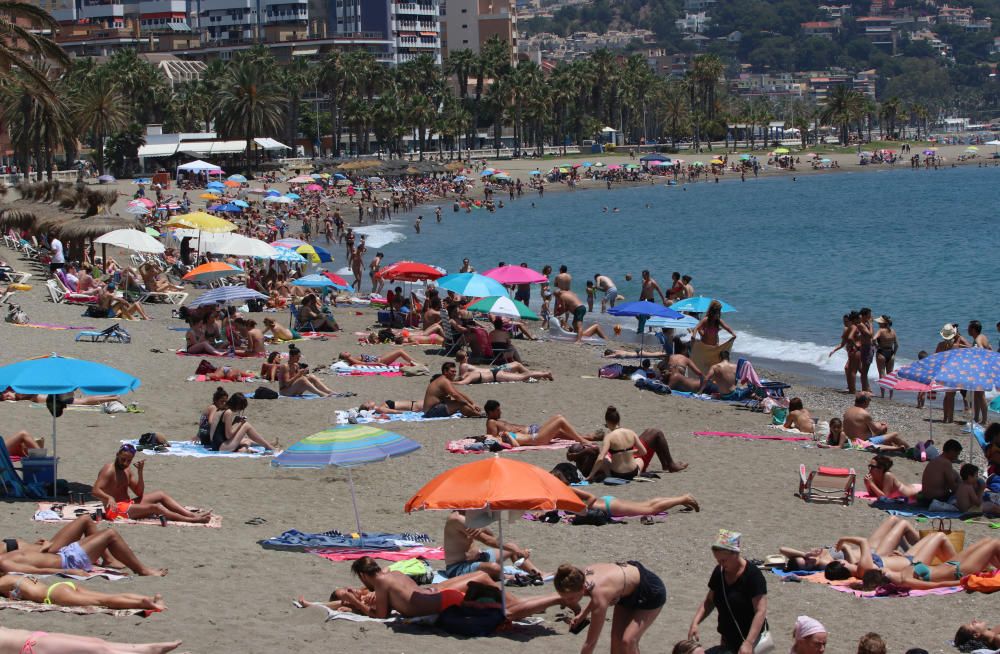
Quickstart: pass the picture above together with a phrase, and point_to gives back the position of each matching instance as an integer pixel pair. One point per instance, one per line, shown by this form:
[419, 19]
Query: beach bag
[416, 569]
[16, 316]
[470, 621]
[595, 517]
[255, 305]
[657, 387]
[611, 371]
[265, 393]
[778, 415]
[984, 582]
[955, 536]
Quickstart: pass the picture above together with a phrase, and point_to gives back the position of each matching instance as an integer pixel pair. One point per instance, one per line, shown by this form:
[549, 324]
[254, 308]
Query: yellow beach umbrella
[202, 221]
[718, 162]
[781, 150]
[208, 196]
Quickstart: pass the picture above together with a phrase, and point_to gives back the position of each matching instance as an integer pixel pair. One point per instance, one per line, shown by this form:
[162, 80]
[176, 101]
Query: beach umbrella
[55, 375]
[471, 285]
[459, 178]
[503, 306]
[238, 245]
[290, 243]
[410, 271]
[215, 184]
[229, 207]
[314, 187]
[336, 279]
[272, 193]
[209, 195]
[137, 210]
[614, 167]
[241, 204]
[314, 281]
[231, 184]
[256, 191]
[893, 382]
[106, 179]
[495, 484]
[486, 173]
[339, 176]
[744, 157]
[227, 294]
[516, 275]
[212, 272]
[346, 446]
[824, 161]
[699, 305]
[203, 222]
[237, 178]
[131, 239]
[141, 180]
[717, 162]
[278, 199]
[644, 310]
[301, 179]
[287, 255]
[698, 163]
[685, 322]
[781, 150]
[587, 164]
[294, 196]
[152, 232]
[534, 173]
[314, 253]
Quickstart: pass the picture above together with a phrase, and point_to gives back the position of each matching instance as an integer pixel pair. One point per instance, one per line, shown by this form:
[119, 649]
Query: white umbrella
[131, 239]
[137, 210]
[238, 245]
[279, 199]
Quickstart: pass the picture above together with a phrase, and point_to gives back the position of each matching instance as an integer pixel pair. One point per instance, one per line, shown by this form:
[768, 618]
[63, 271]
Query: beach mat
[461, 446]
[907, 510]
[845, 586]
[35, 607]
[96, 572]
[365, 417]
[60, 512]
[753, 437]
[245, 380]
[351, 554]
[313, 396]
[344, 370]
[294, 540]
[199, 451]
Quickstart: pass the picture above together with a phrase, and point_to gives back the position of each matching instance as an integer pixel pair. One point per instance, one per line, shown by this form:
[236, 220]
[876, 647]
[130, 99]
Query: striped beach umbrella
[503, 306]
[227, 294]
[346, 446]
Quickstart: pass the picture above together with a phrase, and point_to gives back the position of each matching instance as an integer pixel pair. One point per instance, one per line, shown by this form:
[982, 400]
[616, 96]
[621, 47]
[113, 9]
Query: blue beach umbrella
[471, 285]
[339, 176]
[218, 185]
[968, 369]
[644, 310]
[241, 204]
[229, 207]
[227, 294]
[346, 446]
[535, 172]
[459, 178]
[294, 196]
[237, 178]
[288, 255]
[272, 193]
[699, 305]
[56, 375]
[314, 281]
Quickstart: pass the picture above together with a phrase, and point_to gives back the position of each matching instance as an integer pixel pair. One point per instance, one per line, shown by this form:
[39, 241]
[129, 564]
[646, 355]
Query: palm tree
[842, 107]
[295, 77]
[37, 119]
[251, 101]
[23, 44]
[673, 107]
[334, 81]
[890, 112]
[99, 111]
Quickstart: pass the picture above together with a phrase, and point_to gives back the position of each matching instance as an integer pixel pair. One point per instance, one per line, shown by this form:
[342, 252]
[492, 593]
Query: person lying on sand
[77, 557]
[74, 531]
[9, 395]
[294, 377]
[229, 430]
[392, 407]
[67, 593]
[798, 417]
[443, 399]
[365, 359]
[893, 535]
[858, 423]
[555, 427]
[430, 336]
[632, 354]
[654, 440]
[112, 488]
[976, 635]
[21, 442]
[20, 641]
[615, 507]
[879, 482]
[505, 372]
[462, 555]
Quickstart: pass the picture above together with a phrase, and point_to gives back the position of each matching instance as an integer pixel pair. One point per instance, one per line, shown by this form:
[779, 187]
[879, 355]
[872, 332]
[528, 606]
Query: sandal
[647, 520]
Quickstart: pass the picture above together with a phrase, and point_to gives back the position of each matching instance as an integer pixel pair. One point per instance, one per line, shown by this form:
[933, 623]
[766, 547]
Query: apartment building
[468, 24]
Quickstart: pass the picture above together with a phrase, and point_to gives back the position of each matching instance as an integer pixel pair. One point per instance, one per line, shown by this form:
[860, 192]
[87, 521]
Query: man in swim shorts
[462, 556]
[555, 427]
[112, 488]
[604, 283]
[567, 302]
[443, 399]
[858, 423]
[78, 555]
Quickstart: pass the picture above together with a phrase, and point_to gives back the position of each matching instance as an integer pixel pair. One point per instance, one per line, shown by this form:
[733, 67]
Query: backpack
[265, 393]
[416, 569]
[204, 368]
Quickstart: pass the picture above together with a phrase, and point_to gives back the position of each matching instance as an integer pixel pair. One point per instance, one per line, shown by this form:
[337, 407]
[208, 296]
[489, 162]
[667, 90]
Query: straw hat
[883, 320]
[948, 332]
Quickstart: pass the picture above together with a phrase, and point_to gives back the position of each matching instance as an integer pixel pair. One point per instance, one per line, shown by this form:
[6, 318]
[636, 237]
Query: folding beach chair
[113, 334]
[827, 484]
[760, 389]
[300, 326]
[12, 483]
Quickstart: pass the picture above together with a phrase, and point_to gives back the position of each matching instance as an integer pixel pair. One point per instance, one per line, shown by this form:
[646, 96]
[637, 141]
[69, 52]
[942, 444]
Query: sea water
[791, 256]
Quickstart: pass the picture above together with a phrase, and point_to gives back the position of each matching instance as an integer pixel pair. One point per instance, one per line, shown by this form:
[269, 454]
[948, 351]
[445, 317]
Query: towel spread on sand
[45, 325]
[845, 586]
[350, 554]
[248, 379]
[35, 607]
[197, 450]
[365, 417]
[344, 369]
[753, 437]
[471, 446]
[183, 353]
[313, 396]
[791, 430]
[902, 507]
[428, 620]
[97, 571]
[294, 540]
[61, 512]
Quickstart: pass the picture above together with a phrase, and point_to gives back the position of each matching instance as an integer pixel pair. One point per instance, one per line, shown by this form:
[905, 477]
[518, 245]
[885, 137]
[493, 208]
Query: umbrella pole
[500, 555]
[354, 500]
[55, 457]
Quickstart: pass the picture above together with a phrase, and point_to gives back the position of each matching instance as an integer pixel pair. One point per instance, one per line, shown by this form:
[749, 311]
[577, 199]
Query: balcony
[162, 7]
[407, 8]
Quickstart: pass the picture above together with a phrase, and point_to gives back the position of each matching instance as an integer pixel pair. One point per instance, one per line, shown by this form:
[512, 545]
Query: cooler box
[42, 470]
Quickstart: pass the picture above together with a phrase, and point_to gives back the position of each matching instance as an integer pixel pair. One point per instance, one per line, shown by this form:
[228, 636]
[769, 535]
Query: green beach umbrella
[502, 305]
[152, 232]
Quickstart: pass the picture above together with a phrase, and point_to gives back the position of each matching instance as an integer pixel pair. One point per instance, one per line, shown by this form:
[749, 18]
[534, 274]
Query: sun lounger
[59, 295]
[113, 334]
[829, 484]
[168, 297]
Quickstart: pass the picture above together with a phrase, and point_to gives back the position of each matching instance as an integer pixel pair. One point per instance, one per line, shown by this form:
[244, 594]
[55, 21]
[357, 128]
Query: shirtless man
[356, 266]
[940, 480]
[798, 417]
[443, 399]
[74, 531]
[77, 557]
[555, 427]
[866, 333]
[858, 423]
[112, 488]
[649, 286]
[108, 305]
[568, 302]
[462, 556]
[721, 378]
[563, 280]
[607, 286]
[86, 284]
[373, 267]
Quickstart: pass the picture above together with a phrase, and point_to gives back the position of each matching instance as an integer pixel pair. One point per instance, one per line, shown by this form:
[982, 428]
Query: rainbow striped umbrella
[346, 446]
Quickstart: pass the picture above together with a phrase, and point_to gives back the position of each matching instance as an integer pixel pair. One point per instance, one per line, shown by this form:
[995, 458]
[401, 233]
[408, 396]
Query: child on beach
[591, 291]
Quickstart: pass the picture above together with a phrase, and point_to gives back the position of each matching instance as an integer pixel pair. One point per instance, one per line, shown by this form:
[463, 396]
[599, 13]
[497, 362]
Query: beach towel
[844, 586]
[58, 512]
[428, 620]
[343, 369]
[755, 437]
[35, 607]
[365, 417]
[350, 554]
[902, 507]
[183, 353]
[705, 356]
[45, 325]
[197, 450]
[247, 379]
[313, 396]
[791, 430]
[96, 572]
[472, 446]
[294, 540]
[984, 582]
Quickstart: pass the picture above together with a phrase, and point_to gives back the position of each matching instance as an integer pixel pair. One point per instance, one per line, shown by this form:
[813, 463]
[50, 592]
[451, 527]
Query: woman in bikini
[230, 430]
[850, 340]
[617, 507]
[886, 346]
[392, 407]
[507, 372]
[889, 537]
[66, 593]
[43, 642]
[881, 483]
[196, 339]
[977, 635]
[207, 417]
[636, 594]
[709, 327]
[293, 379]
[365, 359]
[280, 332]
[622, 446]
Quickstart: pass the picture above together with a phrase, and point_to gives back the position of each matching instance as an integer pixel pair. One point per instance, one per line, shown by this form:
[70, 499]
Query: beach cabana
[199, 166]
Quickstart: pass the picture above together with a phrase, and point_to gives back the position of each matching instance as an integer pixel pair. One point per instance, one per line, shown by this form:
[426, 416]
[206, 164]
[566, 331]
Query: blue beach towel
[197, 450]
[297, 541]
[365, 417]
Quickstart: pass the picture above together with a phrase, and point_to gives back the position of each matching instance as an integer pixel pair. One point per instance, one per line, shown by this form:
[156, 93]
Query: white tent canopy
[271, 144]
[199, 166]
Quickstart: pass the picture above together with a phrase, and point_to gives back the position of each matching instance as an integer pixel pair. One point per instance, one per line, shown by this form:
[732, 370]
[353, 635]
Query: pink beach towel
[753, 437]
[350, 554]
[845, 587]
[459, 446]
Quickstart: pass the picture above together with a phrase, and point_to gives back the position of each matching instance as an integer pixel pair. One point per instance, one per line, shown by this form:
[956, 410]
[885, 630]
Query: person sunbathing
[269, 369]
[837, 437]
[20, 641]
[294, 377]
[114, 482]
[196, 340]
[977, 635]
[366, 359]
[77, 557]
[462, 555]
[893, 535]
[252, 336]
[798, 417]
[21, 442]
[150, 273]
[520, 435]
[496, 374]
[443, 399]
[67, 593]
[280, 333]
[74, 531]
[615, 507]
[392, 407]
[632, 354]
[8, 395]
[858, 424]
[310, 313]
[109, 305]
[228, 373]
[654, 440]
[879, 482]
[230, 430]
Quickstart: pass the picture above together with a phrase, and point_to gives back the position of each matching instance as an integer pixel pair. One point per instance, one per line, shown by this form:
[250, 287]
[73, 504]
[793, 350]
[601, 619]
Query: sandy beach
[227, 594]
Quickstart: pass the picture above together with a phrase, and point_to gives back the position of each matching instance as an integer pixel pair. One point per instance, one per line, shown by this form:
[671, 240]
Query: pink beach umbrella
[614, 167]
[146, 202]
[516, 275]
[314, 187]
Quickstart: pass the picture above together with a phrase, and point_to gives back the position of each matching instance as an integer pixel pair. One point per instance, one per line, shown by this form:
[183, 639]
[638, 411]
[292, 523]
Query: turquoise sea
[791, 256]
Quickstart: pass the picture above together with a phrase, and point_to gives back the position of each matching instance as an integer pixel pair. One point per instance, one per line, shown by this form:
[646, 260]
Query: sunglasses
[872, 466]
[127, 447]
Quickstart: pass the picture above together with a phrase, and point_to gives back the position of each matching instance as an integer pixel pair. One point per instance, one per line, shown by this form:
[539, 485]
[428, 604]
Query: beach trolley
[827, 484]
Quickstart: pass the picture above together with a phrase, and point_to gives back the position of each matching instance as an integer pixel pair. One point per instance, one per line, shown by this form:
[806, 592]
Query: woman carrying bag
[739, 592]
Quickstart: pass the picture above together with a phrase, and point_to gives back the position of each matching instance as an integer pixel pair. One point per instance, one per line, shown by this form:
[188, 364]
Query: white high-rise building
[413, 27]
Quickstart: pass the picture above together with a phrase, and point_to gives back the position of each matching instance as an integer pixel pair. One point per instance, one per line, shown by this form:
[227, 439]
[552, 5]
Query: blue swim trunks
[465, 567]
[876, 440]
